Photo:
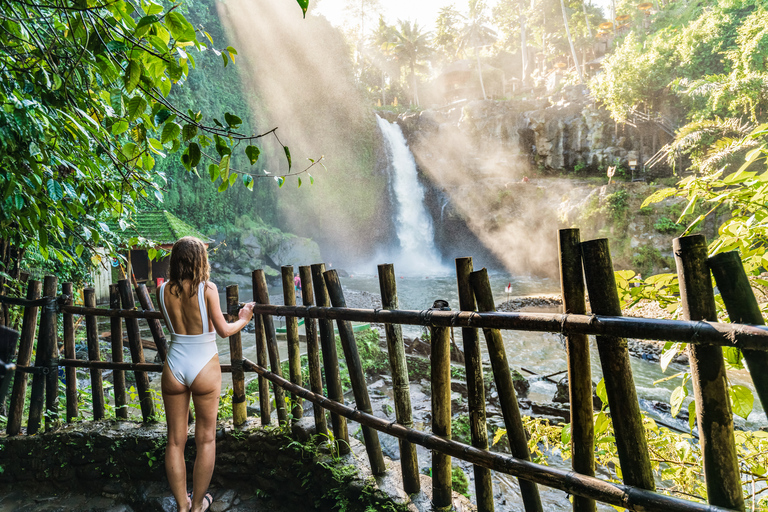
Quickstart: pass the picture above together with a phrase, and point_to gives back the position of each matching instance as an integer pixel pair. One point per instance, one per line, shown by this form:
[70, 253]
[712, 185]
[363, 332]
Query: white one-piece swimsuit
[189, 353]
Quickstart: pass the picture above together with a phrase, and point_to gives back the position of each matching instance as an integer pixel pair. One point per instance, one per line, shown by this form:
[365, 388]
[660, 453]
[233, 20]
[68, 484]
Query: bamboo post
[617, 372]
[440, 363]
[313, 351]
[292, 337]
[70, 374]
[475, 386]
[409, 462]
[239, 412]
[116, 335]
[356, 374]
[19, 392]
[52, 378]
[330, 359]
[94, 354]
[710, 385]
[46, 340]
[261, 358]
[137, 352]
[742, 308]
[154, 324]
[518, 442]
[579, 365]
[261, 295]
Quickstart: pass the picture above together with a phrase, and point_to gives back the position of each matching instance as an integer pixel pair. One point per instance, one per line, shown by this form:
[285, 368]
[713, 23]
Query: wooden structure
[164, 228]
[476, 310]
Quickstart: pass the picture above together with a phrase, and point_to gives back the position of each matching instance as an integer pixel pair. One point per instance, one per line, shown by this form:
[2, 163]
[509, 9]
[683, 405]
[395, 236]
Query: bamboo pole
[45, 342]
[239, 412]
[440, 373]
[409, 461]
[94, 354]
[313, 350]
[52, 378]
[70, 374]
[24, 357]
[518, 442]
[617, 372]
[292, 336]
[154, 324]
[111, 365]
[742, 307]
[137, 352]
[710, 384]
[261, 357]
[261, 295]
[356, 374]
[695, 333]
[116, 335]
[330, 359]
[579, 365]
[475, 386]
[621, 496]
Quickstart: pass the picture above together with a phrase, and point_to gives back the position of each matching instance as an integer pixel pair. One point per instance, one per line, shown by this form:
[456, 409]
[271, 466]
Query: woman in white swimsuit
[190, 304]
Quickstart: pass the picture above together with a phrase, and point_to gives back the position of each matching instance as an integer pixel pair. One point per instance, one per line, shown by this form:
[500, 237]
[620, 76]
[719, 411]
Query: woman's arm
[223, 328]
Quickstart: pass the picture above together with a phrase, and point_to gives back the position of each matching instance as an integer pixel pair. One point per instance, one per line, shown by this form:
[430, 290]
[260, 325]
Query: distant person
[192, 311]
[297, 284]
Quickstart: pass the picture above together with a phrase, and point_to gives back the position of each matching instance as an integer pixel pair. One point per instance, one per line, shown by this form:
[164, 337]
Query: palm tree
[411, 46]
[381, 53]
[476, 34]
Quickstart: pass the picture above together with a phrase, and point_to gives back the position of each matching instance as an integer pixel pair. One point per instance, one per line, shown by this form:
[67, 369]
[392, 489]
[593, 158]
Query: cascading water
[413, 223]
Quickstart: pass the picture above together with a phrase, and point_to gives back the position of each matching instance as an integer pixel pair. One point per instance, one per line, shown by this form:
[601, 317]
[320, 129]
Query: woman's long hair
[189, 260]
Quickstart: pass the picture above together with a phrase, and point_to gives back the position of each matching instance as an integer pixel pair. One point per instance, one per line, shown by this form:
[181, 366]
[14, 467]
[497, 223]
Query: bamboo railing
[579, 262]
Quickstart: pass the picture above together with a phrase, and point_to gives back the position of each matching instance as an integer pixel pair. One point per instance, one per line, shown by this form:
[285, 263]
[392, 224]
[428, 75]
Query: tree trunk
[523, 49]
[480, 72]
[570, 42]
[414, 85]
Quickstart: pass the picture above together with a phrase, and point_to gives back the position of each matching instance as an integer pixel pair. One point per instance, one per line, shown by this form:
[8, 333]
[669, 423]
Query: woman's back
[185, 312]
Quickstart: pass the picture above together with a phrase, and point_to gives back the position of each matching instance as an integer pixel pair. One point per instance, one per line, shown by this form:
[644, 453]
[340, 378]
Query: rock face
[253, 245]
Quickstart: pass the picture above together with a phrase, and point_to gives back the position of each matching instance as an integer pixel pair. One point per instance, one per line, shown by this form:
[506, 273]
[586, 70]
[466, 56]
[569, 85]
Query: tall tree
[476, 33]
[412, 48]
[570, 42]
[447, 33]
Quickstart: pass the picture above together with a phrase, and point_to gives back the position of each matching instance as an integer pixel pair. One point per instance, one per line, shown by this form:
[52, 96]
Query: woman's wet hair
[189, 260]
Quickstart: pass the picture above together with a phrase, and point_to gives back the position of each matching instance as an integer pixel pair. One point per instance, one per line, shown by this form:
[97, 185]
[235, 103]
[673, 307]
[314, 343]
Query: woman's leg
[176, 400]
[205, 393]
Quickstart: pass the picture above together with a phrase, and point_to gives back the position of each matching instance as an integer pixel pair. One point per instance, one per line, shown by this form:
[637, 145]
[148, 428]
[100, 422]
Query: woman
[192, 311]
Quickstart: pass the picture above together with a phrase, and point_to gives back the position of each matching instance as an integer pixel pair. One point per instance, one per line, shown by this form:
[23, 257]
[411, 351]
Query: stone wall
[119, 459]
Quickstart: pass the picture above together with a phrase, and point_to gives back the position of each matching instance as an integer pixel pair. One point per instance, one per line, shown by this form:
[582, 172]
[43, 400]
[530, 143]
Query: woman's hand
[246, 312]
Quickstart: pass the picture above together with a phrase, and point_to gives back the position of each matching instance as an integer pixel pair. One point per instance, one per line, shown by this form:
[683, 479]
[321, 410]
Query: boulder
[294, 250]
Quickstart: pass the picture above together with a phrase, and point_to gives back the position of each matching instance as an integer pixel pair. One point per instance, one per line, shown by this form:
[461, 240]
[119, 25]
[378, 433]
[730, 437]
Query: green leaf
[733, 358]
[601, 393]
[120, 127]
[288, 156]
[188, 132]
[248, 181]
[232, 178]
[232, 120]
[79, 250]
[194, 154]
[170, 132]
[311, 179]
[742, 400]
[280, 180]
[252, 152]
[224, 167]
[144, 23]
[132, 75]
[54, 189]
[179, 27]
[299, 182]
[162, 116]
[304, 4]
[136, 106]
[676, 399]
[224, 185]
[213, 171]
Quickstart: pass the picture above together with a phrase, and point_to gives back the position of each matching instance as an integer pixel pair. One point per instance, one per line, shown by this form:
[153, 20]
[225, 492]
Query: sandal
[208, 498]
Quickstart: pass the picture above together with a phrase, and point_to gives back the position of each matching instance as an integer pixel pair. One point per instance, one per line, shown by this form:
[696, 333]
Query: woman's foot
[207, 501]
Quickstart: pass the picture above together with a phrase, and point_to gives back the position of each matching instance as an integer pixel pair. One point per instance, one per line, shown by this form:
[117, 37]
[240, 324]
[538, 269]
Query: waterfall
[413, 223]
